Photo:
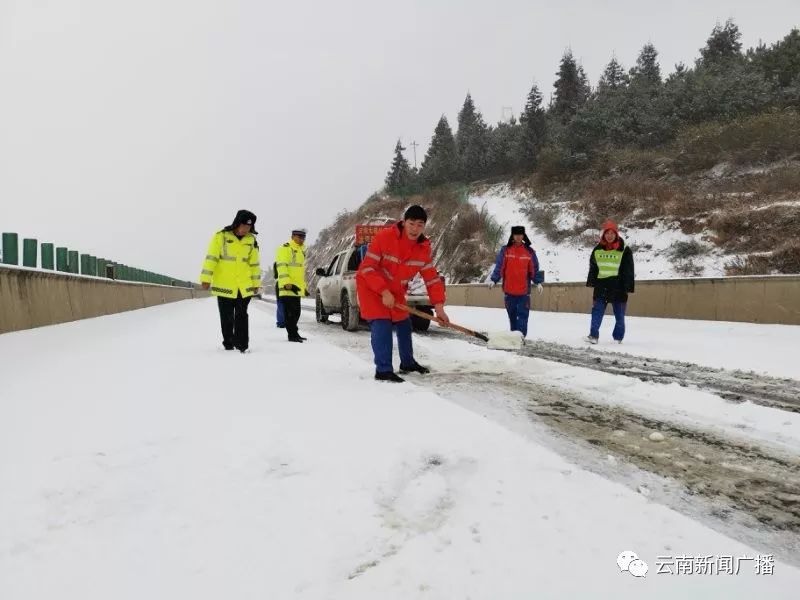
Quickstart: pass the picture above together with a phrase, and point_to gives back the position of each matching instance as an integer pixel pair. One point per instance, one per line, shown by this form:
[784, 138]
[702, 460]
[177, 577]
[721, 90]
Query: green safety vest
[608, 262]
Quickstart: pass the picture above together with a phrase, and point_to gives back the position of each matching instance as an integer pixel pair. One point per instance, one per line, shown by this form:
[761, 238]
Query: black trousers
[234, 322]
[291, 314]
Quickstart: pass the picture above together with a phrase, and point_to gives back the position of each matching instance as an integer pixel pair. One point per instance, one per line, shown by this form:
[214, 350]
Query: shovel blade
[505, 340]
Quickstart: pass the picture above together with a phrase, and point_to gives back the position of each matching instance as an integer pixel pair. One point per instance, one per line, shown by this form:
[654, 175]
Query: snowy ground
[569, 260]
[664, 402]
[731, 438]
[148, 462]
[770, 349]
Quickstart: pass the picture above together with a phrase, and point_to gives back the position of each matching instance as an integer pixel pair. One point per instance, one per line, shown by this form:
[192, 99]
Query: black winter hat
[518, 230]
[245, 217]
[416, 213]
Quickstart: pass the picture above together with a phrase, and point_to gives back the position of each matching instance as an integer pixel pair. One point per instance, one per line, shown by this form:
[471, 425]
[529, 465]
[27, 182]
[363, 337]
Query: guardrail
[66, 260]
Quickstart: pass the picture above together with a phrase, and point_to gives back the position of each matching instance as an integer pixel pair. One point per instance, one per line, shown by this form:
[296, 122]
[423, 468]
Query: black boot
[389, 376]
[227, 346]
[296, 338]
[415, 367]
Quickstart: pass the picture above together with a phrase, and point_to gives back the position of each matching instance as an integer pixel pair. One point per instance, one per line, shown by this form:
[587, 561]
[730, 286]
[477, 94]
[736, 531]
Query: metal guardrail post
[61, 259]
[72, 261]
[30, 253]
[47, 256]
[10, 249]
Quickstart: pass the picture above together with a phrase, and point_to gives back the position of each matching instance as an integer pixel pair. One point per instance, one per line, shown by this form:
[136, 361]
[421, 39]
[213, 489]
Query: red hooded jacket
[391, 262]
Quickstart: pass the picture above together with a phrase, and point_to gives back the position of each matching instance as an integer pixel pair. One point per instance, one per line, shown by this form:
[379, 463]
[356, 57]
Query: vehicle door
[329, 285]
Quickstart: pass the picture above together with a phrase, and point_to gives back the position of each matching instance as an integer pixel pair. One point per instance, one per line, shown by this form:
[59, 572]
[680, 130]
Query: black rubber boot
[389, 376]
[414, 368]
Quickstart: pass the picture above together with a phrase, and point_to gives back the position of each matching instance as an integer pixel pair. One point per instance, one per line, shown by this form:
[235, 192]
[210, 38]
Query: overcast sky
[133, 129]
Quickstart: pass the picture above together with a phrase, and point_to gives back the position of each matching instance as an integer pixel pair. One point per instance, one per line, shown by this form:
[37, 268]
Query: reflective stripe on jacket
[290, 262]
[391, 262]
[232, 265]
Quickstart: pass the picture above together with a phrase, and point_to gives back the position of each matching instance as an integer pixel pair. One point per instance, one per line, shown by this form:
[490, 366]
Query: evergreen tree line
[636, 108]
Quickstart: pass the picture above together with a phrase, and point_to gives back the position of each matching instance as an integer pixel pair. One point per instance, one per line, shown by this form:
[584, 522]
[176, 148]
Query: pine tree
[645, 113]
[780, 63]
[571, 88]
[647, 72]
[723, 44]
[532, 129]
[501, 155]
[471, 141]
[440, 164]
[399, 178]
[613, 77]
[604, 119]
[584, 89]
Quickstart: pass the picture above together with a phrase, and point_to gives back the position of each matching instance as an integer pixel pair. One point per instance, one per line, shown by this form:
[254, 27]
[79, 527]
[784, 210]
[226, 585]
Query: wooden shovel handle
[425, 315]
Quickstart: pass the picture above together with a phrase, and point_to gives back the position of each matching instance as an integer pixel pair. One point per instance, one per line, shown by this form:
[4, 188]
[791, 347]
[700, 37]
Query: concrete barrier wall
[31, 298]
[766, 299]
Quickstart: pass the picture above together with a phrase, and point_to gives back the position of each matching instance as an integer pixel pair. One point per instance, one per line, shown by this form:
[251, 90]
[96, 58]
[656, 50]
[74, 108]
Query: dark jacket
[612, 289]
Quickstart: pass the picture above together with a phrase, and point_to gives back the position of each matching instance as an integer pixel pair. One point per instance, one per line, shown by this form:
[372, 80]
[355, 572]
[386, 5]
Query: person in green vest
[611, 275]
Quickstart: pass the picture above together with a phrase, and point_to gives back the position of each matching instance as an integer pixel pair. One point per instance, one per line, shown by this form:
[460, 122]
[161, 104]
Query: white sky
[134, 129]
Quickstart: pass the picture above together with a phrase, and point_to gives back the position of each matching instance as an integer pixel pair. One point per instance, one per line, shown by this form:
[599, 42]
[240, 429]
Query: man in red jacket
[395, 255]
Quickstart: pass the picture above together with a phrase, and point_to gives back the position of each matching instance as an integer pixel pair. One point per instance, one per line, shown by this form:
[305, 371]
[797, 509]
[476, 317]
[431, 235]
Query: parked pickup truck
[336, 293]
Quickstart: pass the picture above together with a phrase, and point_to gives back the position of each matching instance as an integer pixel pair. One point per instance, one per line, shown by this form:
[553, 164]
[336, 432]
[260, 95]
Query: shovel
[501, 341]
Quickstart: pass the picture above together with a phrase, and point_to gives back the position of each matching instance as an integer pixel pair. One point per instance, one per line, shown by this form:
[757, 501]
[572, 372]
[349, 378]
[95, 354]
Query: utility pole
[414, 145]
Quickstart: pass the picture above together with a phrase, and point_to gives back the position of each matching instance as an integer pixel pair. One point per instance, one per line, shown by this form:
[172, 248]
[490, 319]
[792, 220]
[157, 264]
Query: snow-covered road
[733, 465]
[138, 459]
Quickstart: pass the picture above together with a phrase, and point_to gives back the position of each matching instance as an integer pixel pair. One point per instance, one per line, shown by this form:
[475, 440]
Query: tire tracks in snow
[748, 490]
[731, 385]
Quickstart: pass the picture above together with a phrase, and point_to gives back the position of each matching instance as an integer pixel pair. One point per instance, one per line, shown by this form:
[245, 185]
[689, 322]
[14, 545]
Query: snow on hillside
[568, 260]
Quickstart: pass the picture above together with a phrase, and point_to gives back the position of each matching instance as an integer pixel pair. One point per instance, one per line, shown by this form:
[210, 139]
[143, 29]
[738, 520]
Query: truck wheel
[420, 324]
[350, 317]
[322, 316]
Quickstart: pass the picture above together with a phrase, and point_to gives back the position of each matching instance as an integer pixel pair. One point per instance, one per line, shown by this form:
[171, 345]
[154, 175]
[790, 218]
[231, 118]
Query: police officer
[232, 271]
[290, 262]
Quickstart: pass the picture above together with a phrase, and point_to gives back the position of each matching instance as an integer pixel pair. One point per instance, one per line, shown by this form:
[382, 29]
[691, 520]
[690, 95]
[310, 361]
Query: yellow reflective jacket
[232, 265]
[290, 260]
